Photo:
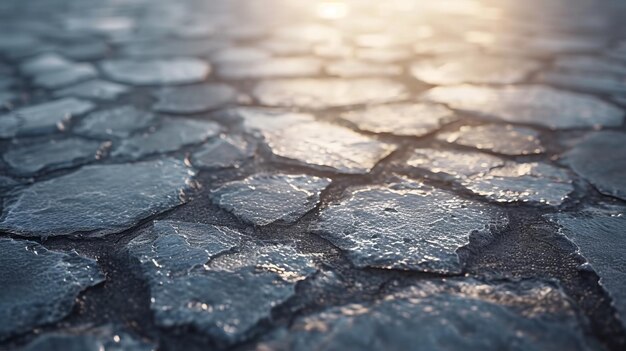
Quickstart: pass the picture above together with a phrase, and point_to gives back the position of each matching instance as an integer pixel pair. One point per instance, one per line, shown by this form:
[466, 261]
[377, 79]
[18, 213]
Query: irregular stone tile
[267, 198]
[223, 152]
[44, 118]
[171, 135]
[239, 54]
[506, 140]
[224, 298]
[599, 236]
[324, 93]
[473, 69]
[44, 63]
[600, 158]
[99, 339]
[174, 247]
[458, 164]
[294, 135]
[354, 68]
[94, 89]
[97, 200]
[157, 71]
[39, 286]
[406, 226]
[194, 98]
[274, 67]
[401, 119]
[523, 182]
[74, 74]
[533, 104]
[50, 155]
[601, 83]
[450, 315]
[590, 64]
[118, 122]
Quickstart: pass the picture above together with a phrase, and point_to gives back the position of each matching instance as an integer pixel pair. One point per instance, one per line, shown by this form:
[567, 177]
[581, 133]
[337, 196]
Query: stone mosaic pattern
[324, 175]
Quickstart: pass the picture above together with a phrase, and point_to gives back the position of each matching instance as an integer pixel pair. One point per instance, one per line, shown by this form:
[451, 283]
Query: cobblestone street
[312, 175]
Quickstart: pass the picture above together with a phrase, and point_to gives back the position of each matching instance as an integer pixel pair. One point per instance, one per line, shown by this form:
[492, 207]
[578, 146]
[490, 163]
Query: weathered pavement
[316, 175]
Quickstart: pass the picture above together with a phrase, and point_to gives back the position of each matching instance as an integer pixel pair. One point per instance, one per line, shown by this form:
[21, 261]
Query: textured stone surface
[50, 155]
[73, 203]
[223, 152]
[39, 286]
[406, 226]
[458, 164]
[599, 236]
[275, 67]
[118, 122]
[294, 135]
[447, 70]
[194, 98]
[524, 182]
[500, 139]
[601, 159]
[94, 89]
[170, 135]
[44, 118]
[451, 316]
[266, 198]
[227, 298]
[98, 339]
[401, 119]
[538, 105]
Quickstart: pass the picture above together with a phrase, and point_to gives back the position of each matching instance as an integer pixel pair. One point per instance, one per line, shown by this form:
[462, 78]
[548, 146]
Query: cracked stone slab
[239, 54]
[223, 152]
[407, 226]
[325, 93]
[118, 122]
[173, 48]
[600, 158]
[599, 236]
[402, 119]
[523, 182]
[266, 198]
[456, 164]
[44, 118]
[532, 104]
[97, 200]
[157, 71]
[294, 135]
[39, 286]
[196, 279]
[52, 154]
[171, 135]
[285, 67]
[194, 98]
[94, 89]
[473, 69]
[500, 139]
[446, 315]
[104, 338]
